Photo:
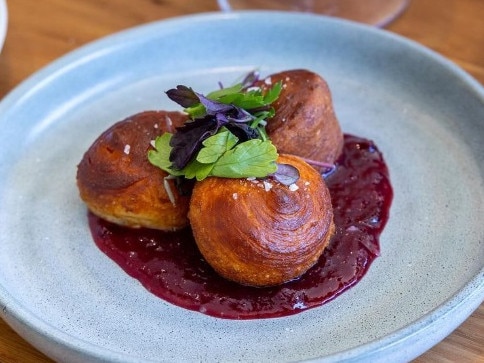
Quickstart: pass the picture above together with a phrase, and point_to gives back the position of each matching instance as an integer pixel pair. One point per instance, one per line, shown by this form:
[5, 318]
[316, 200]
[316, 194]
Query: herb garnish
[225, 135]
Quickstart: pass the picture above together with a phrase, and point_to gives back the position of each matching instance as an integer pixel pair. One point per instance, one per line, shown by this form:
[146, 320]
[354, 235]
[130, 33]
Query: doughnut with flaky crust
[305, 123]
[262, 233]
[119, 184]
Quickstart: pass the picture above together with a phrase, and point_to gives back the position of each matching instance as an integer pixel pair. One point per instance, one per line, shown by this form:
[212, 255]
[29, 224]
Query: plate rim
[472, 292]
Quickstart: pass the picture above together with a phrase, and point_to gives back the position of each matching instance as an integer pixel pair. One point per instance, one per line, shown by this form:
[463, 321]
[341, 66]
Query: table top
[40, 32]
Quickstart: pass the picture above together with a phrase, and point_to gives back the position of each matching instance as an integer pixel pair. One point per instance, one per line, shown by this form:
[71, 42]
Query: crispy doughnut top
[119, 184]
[305, 123]
[118, 157]
[262, 233]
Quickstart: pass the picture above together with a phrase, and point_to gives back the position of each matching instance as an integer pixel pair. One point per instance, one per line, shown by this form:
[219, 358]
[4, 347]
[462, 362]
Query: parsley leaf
[216, 146]
[160, 157]
[197, 170]
[222, 158]
[253, 158]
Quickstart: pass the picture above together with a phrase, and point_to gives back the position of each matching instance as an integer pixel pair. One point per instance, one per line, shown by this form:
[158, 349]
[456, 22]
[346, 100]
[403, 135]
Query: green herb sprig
[225, 135]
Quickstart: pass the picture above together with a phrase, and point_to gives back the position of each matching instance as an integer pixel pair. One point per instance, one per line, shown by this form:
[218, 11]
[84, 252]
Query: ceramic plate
[73, 303]
[3, 22]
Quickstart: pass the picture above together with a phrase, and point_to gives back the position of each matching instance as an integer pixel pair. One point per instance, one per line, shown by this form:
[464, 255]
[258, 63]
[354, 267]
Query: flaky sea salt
[169, 124]
[235, 196]
[267, 186]
[293, 187]
[127, 149]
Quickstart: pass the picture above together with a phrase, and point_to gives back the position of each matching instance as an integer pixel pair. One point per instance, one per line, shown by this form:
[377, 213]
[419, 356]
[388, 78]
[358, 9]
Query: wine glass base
[374, 12]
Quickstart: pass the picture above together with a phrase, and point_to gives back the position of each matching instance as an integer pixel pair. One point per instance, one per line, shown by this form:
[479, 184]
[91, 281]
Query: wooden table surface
[41, 31]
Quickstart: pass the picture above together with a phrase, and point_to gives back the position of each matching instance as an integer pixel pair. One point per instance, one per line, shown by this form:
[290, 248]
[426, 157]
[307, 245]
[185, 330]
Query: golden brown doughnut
[305, 123]
[118, 183]
[262, 233]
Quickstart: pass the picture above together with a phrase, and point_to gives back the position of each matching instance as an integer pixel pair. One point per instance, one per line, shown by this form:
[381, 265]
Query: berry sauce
[169, 265]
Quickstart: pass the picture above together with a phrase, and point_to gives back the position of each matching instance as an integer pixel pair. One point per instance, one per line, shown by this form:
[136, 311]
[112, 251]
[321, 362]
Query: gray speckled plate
[427, 116]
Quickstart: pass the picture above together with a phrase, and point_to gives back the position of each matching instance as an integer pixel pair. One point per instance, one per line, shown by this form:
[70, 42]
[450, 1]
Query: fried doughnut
[262, 233]
[118, 183]
[305, 123]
